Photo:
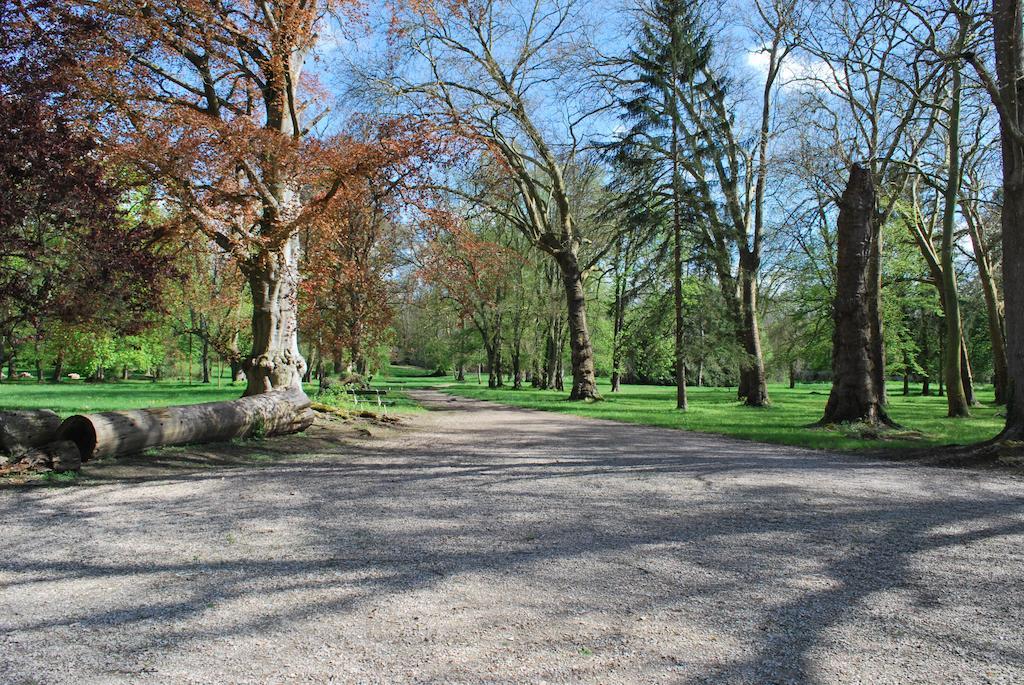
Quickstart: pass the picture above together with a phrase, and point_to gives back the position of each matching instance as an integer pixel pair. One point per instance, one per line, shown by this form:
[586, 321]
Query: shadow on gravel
[393, 521]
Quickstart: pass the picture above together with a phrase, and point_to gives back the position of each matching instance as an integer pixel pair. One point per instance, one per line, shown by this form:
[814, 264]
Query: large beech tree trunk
[1009, 53]
[855, 395]
[584, 382]
[275, 361]
[126, 432]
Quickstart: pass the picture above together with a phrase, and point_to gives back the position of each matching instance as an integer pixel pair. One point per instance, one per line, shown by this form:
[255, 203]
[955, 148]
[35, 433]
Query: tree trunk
[20, 430]
[58, 368]
[618, 326]
[497, 370]
[460, 374]
[275, 361]
[753, 381]
[127, 432]
[906, 374]
[677, 243]
[551, 355]
[205, 352]
[925, 356]
[792, 374]
[1009, 58]
[956, 399]
[517, 371]
[967, 374]
[584, 383]
[994, 311]
[941, 376]
[877, 344]
[492, 379]
[855, 395]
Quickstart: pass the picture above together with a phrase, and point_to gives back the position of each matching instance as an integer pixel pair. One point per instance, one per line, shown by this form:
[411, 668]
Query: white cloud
[797, 73]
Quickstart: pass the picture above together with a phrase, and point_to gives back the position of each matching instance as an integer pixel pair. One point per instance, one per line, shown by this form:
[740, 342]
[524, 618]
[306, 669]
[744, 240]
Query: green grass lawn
[715, 410]
[78, 397]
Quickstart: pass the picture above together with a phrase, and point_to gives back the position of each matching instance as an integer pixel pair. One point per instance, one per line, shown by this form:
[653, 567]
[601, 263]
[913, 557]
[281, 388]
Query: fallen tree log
[126, 432]
[22, 430]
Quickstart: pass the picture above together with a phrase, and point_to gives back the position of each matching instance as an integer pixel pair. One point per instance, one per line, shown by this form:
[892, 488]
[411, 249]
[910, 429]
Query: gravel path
[493, 545]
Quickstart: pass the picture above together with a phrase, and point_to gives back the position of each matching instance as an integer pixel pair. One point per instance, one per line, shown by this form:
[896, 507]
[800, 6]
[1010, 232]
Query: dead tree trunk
[20, 430]
[855, 395]
[126, 432]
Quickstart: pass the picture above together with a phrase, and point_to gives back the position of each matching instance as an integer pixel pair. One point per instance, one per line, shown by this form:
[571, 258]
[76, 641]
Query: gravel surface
[485, 544]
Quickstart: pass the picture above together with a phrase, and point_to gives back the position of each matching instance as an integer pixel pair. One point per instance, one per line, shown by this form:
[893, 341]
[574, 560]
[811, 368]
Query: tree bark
[517, 370]
[275, 361]
[753, 381]
[967, 374]
[1009, 59]
[127, 432]
[855, 395]
[584, 382]
[58, 368]
[877, 343]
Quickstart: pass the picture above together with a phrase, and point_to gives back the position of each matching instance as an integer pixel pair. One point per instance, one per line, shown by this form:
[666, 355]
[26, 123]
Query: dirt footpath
[485, 544]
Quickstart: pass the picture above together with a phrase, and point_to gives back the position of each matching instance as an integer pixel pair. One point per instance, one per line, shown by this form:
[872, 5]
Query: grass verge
[716, 410]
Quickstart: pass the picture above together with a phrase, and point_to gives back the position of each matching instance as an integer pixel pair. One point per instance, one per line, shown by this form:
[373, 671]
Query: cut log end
[128, 432]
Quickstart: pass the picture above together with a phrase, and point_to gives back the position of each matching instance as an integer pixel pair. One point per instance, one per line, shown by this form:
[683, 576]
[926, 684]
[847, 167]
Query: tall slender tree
[669, 51]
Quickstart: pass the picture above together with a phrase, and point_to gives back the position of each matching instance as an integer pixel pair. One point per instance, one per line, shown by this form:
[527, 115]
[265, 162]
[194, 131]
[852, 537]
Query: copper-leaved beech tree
[210, 100]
